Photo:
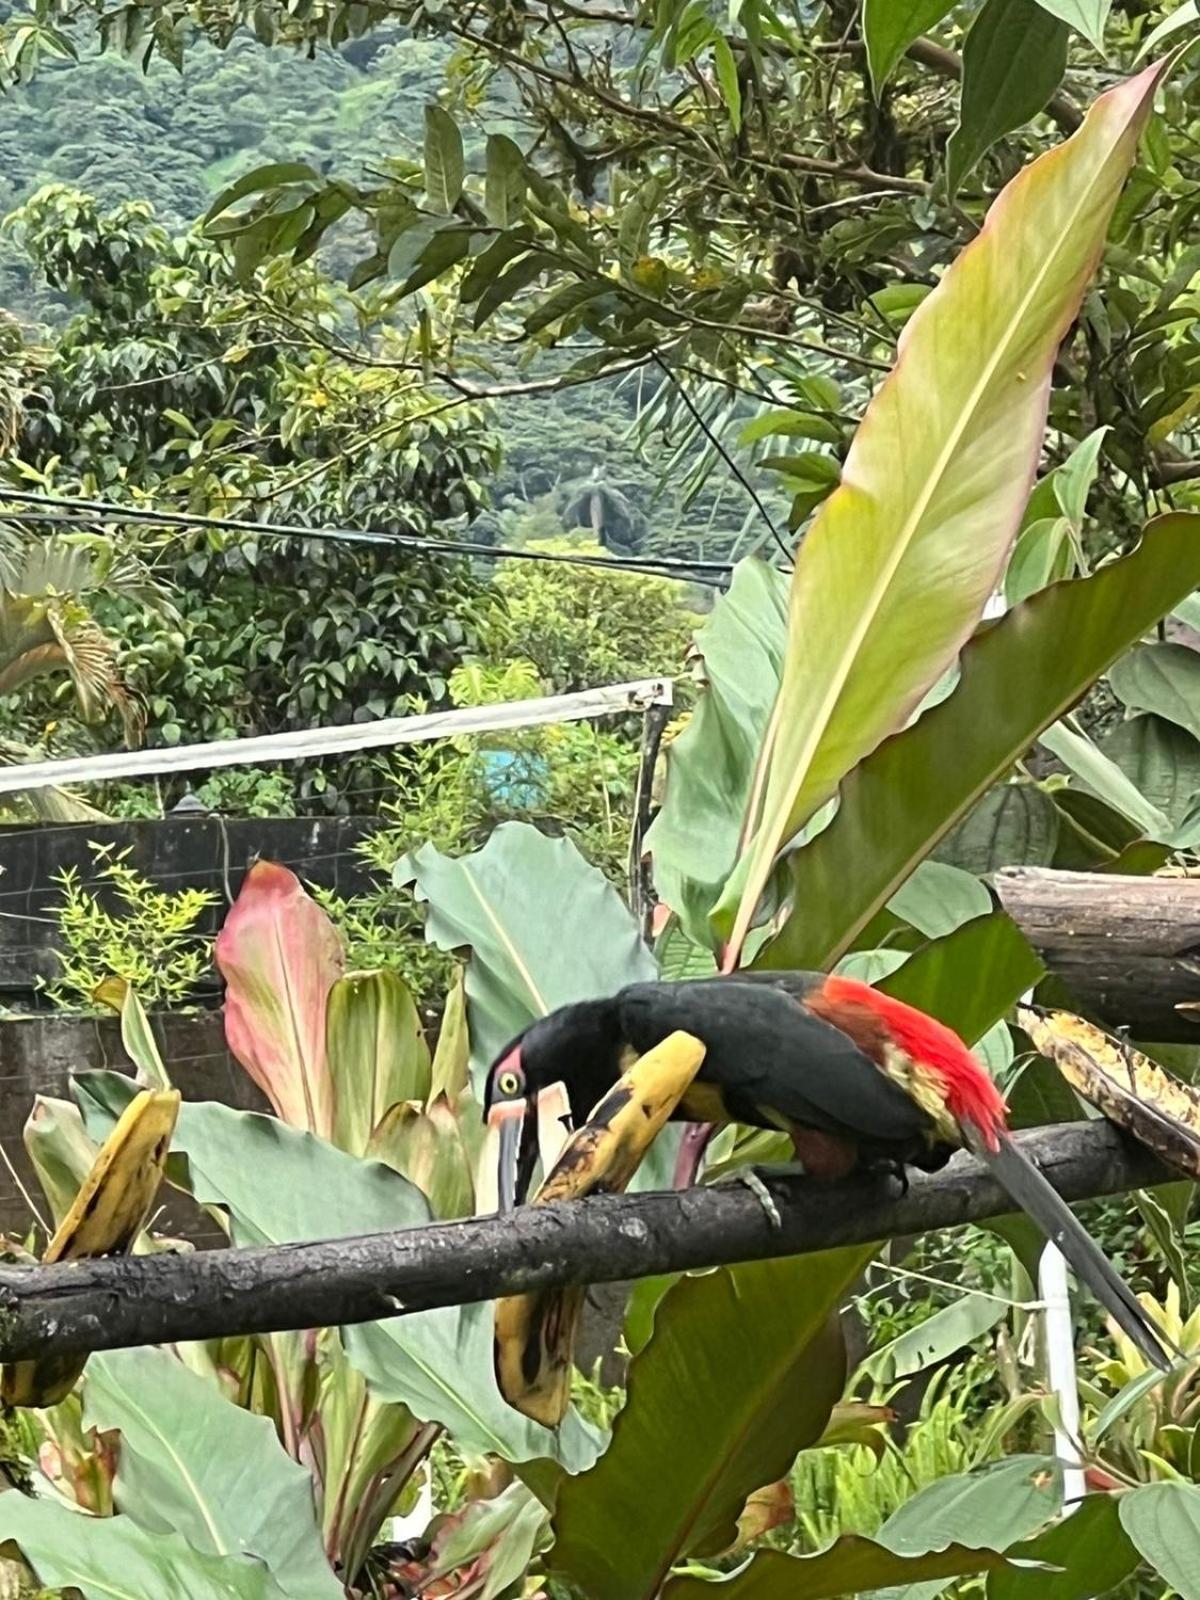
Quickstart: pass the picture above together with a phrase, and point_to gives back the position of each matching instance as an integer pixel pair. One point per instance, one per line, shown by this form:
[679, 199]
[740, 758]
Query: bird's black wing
[765, 1048]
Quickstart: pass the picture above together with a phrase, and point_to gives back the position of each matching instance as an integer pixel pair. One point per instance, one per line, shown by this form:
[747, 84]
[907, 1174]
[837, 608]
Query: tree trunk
[1127, 948]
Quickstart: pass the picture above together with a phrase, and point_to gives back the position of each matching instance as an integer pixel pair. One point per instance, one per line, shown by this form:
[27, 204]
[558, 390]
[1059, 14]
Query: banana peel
[535, 1333]
[107, 1215]
[1160, 1111]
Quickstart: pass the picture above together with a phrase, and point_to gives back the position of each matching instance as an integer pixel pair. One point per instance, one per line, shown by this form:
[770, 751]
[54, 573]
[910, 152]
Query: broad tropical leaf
[1016, 680]
[279, 955]
[375, 1053]
[743, 1371]
[1090, 1549]
[91, 1553]
[695, 838]
[543, 927]
[195, 1464]
[1163, 678]
[895, 571]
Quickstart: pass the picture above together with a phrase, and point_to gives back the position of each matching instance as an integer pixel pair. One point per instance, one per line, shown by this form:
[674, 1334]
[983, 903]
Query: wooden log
[1127, 948]
[81, 1306]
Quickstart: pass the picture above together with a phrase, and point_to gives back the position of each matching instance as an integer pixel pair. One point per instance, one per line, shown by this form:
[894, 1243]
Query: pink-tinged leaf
[280, 955]
[894, 573]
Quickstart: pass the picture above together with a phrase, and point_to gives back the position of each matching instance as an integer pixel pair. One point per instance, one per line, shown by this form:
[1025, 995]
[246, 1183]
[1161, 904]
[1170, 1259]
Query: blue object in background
[515, 779]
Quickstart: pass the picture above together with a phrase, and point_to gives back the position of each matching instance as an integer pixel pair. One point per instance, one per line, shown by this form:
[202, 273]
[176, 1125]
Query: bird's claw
[751, 1180]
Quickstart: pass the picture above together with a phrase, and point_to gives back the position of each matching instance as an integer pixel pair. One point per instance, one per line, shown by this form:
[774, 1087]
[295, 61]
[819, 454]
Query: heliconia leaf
[743, 1370]
[280, 955]
[194, 1462]
[543, 927]
[693, 842]
[894, 573]
[890, 26]
[1013, 61]
[375, 1052]
[1016, 680]
[83, 1554]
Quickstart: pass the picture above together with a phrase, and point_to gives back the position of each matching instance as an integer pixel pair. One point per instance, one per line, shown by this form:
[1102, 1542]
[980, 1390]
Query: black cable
[661, 566]
[732, 465]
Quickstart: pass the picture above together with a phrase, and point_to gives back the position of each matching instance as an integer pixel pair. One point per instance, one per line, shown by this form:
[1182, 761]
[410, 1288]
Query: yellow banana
[1161, 1112]
[535, 1333]
[106, 1217]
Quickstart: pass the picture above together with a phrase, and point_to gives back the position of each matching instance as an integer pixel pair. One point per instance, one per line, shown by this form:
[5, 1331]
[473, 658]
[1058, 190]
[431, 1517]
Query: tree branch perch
[82, 1306]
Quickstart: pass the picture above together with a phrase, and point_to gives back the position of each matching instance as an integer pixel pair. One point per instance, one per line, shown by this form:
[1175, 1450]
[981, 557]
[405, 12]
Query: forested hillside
[176, 137]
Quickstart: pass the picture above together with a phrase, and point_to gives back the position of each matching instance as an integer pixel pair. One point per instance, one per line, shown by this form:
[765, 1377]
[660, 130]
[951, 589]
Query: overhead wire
[678, 568]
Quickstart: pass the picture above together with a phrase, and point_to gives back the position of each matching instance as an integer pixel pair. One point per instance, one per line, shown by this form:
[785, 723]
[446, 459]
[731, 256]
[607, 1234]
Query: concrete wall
[178, 852]
[38, 1056]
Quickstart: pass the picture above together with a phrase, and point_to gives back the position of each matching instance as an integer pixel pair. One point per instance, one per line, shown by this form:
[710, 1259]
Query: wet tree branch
[97, 1305]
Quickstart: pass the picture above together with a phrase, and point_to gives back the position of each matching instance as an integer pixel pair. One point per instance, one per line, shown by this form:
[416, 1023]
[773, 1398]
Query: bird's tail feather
[1035, 1195]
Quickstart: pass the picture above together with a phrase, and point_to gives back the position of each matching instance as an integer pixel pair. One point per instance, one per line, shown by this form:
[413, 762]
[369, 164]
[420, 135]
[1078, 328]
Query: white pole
[1061, 1371]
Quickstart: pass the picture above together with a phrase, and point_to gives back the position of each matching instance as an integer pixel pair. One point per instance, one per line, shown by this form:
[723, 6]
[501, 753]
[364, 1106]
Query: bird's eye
[508, 1083]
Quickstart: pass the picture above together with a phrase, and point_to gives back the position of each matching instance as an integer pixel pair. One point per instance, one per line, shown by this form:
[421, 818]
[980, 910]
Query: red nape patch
[971, 1096]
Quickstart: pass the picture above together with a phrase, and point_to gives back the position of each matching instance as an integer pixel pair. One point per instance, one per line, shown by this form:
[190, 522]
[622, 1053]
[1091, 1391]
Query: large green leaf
[193, 1463]
[376, 1053]
[1013, 61]
[695, 838]
[1017, 678]
[896, 569]
[993, 1507]
[439, 1364]
[543, 927]
[112, 1558]
[1163, 678]
[743, 1370]
[853, 1565]
[1163, 1521]
[1014, 824]
[281, 1186]
[279, 955]
[1089, 1548]
[939, 898]
[1161, 759]
[890, 26]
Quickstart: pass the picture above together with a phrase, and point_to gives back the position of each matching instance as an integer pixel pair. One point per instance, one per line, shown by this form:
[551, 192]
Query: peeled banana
[535, 1333]
[107, 1215]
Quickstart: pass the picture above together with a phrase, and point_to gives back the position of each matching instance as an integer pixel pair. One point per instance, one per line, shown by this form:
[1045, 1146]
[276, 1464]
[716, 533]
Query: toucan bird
[858, 1079]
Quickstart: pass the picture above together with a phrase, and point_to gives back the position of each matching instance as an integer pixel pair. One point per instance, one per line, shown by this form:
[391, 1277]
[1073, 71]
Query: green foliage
[130, 930]
[177, 381]
[584, 626]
